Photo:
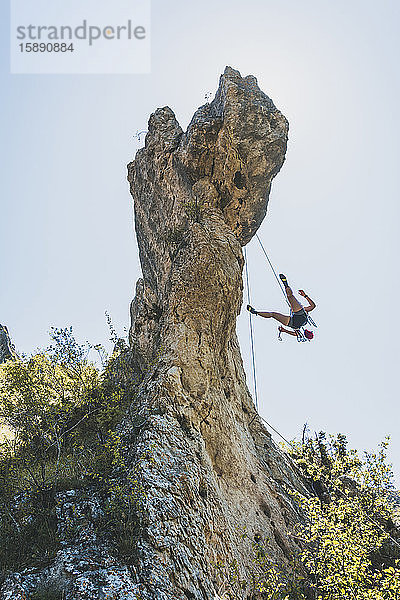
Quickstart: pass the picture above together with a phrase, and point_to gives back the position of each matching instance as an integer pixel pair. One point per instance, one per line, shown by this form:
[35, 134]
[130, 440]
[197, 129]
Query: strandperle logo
[80, 37]
[84, 31]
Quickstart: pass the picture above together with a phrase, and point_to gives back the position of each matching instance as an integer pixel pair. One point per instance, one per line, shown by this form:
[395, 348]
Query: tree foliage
[63, 410]
[348, 544]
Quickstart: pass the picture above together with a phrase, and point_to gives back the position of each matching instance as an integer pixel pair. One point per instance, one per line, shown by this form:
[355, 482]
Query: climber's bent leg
[294, 303]
[284, 319]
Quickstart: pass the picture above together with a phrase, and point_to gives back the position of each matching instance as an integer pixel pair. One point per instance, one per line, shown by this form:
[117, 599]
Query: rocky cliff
[215, 473]
[214, 487]
[7, 349]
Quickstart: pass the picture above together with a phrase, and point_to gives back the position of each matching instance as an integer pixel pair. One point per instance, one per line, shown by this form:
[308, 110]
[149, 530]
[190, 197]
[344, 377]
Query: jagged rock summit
[215, 488]
[7, 349]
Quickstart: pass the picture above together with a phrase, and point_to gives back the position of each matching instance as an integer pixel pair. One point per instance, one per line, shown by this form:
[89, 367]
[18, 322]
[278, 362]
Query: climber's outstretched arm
[311, 303]
[283, 330]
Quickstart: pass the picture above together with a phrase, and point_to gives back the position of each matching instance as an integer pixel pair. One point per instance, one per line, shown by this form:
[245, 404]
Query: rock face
[216, 489]
[215, 472]
[7, 349]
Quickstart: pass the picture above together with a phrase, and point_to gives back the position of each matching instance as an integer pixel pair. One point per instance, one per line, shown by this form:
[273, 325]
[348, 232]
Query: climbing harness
[301, 336]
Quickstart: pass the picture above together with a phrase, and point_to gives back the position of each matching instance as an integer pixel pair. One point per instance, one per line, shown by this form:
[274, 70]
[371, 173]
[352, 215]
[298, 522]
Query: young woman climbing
[298, 317]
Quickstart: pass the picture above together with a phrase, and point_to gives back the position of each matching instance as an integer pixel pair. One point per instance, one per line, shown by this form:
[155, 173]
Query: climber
[298, 316]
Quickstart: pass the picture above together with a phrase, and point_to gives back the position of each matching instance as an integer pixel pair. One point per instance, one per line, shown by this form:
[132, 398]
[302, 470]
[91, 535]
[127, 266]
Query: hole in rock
[185, 424]
[266, 510]
[239, 180]
[202, 492]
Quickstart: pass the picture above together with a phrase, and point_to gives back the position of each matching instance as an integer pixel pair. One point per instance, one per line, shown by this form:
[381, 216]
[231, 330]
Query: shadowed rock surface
[7, 349]
[214, 483]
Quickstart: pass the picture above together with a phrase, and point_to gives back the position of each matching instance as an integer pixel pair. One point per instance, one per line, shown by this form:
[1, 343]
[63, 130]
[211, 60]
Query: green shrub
[63, 411]
[347, 549]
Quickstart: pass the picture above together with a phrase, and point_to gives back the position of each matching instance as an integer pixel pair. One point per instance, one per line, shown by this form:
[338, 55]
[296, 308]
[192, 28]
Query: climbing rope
[274, 272]
[337, 490]
[275, 430]
[253, 359]
[254, 371]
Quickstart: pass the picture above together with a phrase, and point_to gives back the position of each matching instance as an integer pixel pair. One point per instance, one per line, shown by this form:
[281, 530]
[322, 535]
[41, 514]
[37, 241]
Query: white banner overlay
[80, 36]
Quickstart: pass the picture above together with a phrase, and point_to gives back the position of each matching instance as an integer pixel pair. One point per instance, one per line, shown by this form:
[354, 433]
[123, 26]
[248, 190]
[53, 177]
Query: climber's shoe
[282, 277]
[252, 310]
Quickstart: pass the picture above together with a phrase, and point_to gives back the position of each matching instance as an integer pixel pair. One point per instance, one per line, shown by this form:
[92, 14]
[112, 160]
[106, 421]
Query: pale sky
[68, 251]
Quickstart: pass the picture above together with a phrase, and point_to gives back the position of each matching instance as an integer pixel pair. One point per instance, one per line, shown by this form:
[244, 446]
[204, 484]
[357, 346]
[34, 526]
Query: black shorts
[298, 319]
